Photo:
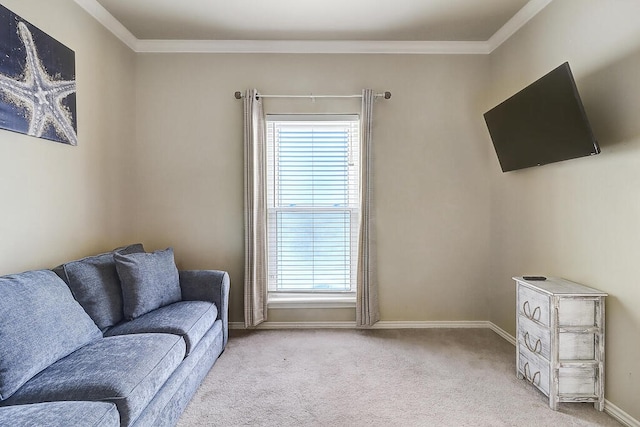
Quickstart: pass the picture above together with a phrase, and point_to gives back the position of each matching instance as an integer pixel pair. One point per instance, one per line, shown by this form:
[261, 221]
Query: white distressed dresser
[560, 339]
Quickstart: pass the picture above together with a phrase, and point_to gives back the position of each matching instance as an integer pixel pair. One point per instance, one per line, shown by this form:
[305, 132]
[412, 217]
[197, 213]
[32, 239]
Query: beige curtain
[367, 311]
[255, 216]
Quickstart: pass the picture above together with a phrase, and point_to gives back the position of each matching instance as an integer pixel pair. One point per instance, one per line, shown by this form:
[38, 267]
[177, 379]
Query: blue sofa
[117, 339]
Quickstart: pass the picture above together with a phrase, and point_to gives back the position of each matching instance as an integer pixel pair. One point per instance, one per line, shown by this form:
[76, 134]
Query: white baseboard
[296, 325]
[611, 409]
[429, 325]
[466, 324]
[378, 325]
[619, 415]
[504, 334]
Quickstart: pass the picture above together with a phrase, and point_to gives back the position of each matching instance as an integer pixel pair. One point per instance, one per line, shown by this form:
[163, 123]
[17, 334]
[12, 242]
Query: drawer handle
[535, 348]
[526, 308]
[528, 377]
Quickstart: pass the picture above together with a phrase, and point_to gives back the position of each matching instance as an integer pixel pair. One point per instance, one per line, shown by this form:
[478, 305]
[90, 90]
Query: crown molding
[519, 20]
[311, 47]
[524, 15]
[103, 16]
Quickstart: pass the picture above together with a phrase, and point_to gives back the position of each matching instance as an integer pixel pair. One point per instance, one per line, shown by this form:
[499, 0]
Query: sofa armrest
[208, 285]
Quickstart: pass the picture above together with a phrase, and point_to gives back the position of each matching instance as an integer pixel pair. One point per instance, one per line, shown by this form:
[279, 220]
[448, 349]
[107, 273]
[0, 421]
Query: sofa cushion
[127, 370]
[61, 414]
[188, 319]
[94, 282]
[40, 322]
[175, 394]
[149, 281]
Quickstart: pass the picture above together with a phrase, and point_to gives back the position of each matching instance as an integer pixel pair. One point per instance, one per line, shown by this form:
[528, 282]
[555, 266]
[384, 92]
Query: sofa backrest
[40, 323]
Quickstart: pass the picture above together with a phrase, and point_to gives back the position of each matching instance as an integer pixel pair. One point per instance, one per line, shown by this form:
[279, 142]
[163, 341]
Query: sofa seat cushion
[127, 370]
[61, 414]
[40, 322]
[188, 319]
[94, 282]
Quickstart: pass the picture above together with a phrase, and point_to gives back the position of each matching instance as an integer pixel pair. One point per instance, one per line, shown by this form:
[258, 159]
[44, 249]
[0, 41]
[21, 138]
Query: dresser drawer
[533, 305]
[573, 381]
[577, 312]
[535, 338]
[577, 346]
[535, 370]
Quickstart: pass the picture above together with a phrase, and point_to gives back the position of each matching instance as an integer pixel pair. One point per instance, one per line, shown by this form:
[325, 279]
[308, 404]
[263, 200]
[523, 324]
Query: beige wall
[160, 161]
[179, 182]
[430, 156]
[578, 219]
[60, 201]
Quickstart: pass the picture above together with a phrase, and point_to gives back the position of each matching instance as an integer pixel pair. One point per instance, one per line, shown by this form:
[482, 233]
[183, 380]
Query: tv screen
[543, 123]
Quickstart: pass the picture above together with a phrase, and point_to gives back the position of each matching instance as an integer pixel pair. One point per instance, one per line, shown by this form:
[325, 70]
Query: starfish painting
[40, 94]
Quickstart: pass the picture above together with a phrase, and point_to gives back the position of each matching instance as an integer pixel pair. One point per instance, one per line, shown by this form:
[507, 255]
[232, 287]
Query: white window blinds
[312, 202]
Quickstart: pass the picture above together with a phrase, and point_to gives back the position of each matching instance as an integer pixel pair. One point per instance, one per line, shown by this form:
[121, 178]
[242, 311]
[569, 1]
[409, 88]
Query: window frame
[315, 297]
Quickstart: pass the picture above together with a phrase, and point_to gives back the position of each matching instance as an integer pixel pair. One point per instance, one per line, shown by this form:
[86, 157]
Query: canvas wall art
[37, 82]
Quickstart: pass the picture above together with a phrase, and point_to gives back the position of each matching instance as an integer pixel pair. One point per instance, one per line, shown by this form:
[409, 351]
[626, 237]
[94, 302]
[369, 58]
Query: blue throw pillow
[40, 323]
[149, 281]
[95, 284]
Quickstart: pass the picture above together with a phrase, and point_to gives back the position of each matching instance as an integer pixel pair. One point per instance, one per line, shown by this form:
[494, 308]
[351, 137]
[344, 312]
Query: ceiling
[143, 23]
[406, 20]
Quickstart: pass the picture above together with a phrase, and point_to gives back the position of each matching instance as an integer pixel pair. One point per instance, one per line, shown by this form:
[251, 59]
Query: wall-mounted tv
[543, 123]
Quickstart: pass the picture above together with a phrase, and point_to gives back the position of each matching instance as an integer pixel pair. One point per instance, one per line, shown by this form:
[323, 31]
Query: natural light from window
[312, 203]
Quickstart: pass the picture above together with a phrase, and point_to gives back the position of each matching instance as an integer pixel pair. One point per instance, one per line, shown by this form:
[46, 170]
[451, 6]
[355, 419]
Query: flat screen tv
[543, 123]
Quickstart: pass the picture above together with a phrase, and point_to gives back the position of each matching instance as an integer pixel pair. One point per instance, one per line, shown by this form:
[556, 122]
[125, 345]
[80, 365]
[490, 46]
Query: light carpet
[406, 377]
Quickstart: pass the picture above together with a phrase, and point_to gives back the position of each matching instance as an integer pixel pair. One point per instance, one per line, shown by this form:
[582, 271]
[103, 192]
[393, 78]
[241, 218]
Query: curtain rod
[386, 95]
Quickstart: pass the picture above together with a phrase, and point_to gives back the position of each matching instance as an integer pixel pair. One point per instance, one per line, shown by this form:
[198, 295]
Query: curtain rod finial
[238, 94]
[387, 95]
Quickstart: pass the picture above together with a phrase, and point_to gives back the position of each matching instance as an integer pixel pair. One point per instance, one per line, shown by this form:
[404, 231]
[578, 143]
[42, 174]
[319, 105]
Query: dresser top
[557, 286]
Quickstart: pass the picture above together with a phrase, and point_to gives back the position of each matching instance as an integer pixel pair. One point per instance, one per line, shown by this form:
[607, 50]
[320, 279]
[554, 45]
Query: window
[312, 203]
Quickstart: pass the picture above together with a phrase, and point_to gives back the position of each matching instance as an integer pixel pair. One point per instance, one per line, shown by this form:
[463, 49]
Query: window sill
[298, 300]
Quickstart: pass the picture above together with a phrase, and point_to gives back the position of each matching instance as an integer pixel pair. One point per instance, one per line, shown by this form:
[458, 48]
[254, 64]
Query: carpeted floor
[407, 377]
